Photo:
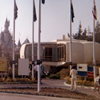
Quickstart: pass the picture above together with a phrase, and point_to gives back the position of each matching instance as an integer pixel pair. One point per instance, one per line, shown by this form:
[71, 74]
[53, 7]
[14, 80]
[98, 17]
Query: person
[35, 68]
[35, 71]
[41, 72]
[97, 82]
[73, 74]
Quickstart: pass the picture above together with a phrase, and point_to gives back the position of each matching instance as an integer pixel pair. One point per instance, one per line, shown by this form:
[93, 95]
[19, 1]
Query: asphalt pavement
[9, 96]
[55, 83]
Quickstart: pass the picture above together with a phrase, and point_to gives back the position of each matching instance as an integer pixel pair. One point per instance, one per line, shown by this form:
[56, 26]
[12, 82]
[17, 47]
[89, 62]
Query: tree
[83, 35]
[78, 34]
[79, 30]
[89, 37]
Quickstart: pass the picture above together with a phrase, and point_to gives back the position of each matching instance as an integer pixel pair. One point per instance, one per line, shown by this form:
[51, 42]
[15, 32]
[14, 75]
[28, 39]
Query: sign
[23, 66]
[80, 73]
[3, 65]
[85, 70]
[90, 74]
[81, 67]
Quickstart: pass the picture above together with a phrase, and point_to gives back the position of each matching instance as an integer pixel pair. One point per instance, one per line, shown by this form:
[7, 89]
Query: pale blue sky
[55, 18]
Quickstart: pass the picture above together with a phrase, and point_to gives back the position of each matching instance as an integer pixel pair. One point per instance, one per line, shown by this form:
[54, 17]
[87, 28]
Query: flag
[43, 1]
[15, 11]
[94, 11]
[72, 12]
[35, 17]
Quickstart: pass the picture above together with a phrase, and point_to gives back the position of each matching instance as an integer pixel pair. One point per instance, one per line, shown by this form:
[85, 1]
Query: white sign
[23, 66]
[81, 67]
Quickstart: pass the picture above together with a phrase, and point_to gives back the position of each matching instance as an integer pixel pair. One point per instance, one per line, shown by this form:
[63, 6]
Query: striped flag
[72, 12]
[15, 10]
[94, 11]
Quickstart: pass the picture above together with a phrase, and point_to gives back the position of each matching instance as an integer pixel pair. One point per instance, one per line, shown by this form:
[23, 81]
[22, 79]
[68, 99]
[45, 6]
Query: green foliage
[3, 79]
[80, 78]
[16, 80]
[21, 79]
[89, 37]
[68, 80]
[82, 35]
[55, 76]
[81, 81]
[27, 80]
[90, 79]
[8, 79]
[64, 72]
[85, 83]
[60, 75]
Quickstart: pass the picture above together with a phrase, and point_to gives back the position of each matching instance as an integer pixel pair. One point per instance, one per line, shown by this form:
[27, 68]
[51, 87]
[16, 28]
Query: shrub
[80, 78]
[8, 79]
[60, 75]
[90, 79]
[88, 83]
[80, 82]
[27, 80]
[15, 80]
[3, 79]
[21, 80]
[0, 79]
[55, 76]
[68, 80]
[64, 72]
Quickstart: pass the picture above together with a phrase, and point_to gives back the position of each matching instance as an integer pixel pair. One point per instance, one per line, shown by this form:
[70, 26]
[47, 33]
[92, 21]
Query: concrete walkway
[62, 84]
[55, 83]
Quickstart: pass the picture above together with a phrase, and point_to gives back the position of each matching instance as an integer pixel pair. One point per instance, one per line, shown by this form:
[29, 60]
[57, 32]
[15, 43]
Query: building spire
[6, 25]
[19, 44]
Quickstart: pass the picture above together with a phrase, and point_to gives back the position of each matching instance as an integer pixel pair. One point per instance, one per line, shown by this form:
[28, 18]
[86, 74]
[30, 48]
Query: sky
[55, 18]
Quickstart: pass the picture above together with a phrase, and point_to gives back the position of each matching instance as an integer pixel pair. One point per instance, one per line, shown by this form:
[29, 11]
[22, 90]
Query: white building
[57, 52]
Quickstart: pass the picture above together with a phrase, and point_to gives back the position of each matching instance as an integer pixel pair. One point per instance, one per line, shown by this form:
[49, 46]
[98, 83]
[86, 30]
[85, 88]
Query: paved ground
[61, 84]
[54, 83]
[6, 96]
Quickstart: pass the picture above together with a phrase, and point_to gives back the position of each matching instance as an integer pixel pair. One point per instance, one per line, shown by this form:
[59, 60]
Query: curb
[39, 94]
[82, 92]
[79, 86]
[45, 94]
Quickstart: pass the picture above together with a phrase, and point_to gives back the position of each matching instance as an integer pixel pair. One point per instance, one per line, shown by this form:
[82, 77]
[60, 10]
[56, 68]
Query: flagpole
[14, 43]
[33, 42]
[38, 61]
[94, 62]
[70, 37]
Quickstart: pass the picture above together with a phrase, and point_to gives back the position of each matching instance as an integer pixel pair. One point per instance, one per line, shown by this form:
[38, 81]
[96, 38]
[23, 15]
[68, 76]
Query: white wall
[77, 52]
[88, 52]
